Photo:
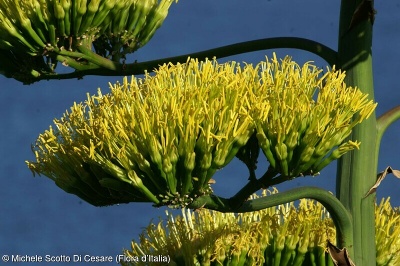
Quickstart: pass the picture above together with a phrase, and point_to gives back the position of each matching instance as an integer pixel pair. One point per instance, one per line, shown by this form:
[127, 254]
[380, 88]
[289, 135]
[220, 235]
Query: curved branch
[385, 120]
[338, 212]
[118, 69]
[252, 186]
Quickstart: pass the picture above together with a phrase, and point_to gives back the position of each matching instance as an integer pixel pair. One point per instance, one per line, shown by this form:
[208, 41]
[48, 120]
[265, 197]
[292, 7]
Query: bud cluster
[31, 29]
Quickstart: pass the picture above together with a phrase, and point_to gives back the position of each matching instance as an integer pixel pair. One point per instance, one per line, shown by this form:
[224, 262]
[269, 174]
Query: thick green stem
[338, 212]
[357, 169]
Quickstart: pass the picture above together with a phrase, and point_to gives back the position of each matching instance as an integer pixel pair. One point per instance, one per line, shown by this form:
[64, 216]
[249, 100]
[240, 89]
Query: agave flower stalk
[96, 28]
[356, 172]
[286, 234]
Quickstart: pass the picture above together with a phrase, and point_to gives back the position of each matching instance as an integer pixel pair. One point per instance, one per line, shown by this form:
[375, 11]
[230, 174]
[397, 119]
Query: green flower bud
[265, 145]
[190, 161]
[306, 154]
[219, 157]
[282, 154]
[281, 151]
[59, 12]
[137, 182]
[167, 166]
[336, 154]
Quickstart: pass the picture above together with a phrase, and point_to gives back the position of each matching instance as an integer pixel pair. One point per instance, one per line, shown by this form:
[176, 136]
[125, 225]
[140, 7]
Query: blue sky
[38, 218]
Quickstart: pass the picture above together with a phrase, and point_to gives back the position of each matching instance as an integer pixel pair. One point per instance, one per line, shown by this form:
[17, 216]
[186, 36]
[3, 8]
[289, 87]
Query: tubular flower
[281, 235]
[157, 139]
[310, 116]
[59, 29]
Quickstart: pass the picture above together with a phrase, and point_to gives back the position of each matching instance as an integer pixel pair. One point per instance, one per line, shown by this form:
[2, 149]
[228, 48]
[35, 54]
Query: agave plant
[283, 235]
[162, 138]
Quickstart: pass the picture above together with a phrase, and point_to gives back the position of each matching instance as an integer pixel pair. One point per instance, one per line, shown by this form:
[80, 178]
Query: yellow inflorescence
[387, 226]
[310, 117]
[161, 138]
[281, 235]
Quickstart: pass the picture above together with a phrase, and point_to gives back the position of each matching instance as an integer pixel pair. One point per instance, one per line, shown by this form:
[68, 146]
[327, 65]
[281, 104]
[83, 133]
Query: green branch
[118, 69]
[68, 61]
[385, 120]
[97, 59]
[251, 187]
[269, 179]
[338, 212]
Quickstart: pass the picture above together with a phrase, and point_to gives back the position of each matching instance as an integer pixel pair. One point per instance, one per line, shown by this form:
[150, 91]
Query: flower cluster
[161, 138]
[387, 227]
[310, 116]
[56, 29]
[281, 235]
